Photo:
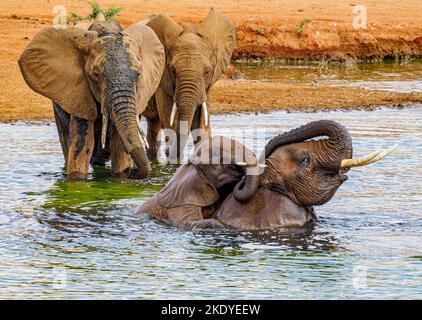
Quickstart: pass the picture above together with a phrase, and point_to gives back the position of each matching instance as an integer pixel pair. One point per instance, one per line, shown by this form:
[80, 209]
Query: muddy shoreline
[231, 96]
[270, 32]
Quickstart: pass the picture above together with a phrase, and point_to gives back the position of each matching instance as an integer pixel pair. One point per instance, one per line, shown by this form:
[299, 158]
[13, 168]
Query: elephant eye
[207, 71]
[96, 76]
[304, 160]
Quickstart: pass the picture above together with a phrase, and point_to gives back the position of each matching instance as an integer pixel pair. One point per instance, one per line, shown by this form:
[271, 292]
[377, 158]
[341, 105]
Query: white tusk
[173, 114]
[205, 113]
[356, 162]
[104, 131]
[241, 164]
[371, 158]
[382, 155]
[144, 141]
[262, 165]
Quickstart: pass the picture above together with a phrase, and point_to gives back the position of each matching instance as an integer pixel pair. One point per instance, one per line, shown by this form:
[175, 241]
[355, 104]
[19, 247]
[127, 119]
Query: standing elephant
[100, 81]
[196, 56]
[197, 189]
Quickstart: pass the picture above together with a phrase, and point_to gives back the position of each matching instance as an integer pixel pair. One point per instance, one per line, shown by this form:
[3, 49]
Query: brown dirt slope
[265, 29]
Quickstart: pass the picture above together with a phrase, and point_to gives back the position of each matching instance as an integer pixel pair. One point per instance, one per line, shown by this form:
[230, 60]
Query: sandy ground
[266, 28]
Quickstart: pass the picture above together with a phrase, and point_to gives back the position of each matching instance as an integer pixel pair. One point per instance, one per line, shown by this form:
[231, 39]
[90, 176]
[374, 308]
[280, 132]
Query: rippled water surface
[61, 239]
[391, 76]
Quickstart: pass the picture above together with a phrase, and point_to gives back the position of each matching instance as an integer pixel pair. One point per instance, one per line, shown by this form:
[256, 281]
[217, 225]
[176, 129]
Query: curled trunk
[339, 142]
[337, 146]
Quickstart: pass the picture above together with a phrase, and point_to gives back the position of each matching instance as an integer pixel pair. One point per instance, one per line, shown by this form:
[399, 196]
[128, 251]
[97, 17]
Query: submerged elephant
[196, 56]
[197, 189]
[298, 175]
[100, 81]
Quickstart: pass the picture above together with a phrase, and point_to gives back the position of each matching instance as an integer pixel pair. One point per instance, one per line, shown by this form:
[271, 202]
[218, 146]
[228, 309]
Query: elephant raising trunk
[339, 142]
[337, 147]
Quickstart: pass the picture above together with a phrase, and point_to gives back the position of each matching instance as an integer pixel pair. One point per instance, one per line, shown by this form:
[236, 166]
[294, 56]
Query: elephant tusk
[173, 114]
[104, 131]
[370, 158]
[381, 155]
[355, 162]
[141, 133]
[244, 164]
[205, 112]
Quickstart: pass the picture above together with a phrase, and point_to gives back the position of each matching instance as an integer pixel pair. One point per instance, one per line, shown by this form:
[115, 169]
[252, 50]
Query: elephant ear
[187, 187]
[167, 30]
[152, 59]
[53, 66]
[222, 35]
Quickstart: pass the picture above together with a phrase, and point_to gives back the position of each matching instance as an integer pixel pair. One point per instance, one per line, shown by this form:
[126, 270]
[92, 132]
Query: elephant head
[196, 189]
[103, 71]
[309, 171]
[196, 56]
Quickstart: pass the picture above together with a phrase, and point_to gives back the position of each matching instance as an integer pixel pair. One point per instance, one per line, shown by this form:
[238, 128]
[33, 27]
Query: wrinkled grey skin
[197, 189]
[299, 174]
[100, 80]
[196, 56]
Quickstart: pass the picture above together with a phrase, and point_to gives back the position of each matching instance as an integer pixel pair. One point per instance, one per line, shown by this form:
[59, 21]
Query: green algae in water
[101, 192]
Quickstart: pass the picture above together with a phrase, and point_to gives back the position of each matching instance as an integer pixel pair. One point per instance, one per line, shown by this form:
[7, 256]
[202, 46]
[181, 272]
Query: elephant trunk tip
[141, 161]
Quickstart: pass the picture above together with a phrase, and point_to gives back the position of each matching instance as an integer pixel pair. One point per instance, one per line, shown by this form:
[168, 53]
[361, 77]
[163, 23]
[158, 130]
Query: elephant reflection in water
[299, 174]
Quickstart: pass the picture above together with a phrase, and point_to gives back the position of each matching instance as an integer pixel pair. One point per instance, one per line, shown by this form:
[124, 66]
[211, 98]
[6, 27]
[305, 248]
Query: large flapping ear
[164, 27]
[222, 35]
[167, 30]
[187, 187]
[152, 59]
[53, 66]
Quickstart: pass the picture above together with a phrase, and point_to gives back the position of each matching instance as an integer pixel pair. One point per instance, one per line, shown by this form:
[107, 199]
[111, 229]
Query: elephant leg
[153, 122]
[154, 128]
[100, 155]
[164, 107]
[81, 147]
[63, 127]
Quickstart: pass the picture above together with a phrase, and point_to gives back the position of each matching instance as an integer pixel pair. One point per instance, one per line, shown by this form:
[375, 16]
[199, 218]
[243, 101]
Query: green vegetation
[301, 24]
[259, 31]
[109, 14]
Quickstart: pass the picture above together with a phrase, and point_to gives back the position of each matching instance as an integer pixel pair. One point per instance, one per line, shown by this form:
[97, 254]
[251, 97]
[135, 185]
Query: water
[61, 239]
[401, 77]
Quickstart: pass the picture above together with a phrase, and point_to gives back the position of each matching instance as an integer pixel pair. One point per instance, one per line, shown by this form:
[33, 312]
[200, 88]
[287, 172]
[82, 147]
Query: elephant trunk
[124, 115]
[337, 147]
[189, 96]
[248, 186]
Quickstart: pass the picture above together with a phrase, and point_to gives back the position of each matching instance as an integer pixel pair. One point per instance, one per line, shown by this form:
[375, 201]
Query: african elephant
[197, 189]
[196, 56]
[298, 175]
[100, 81]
